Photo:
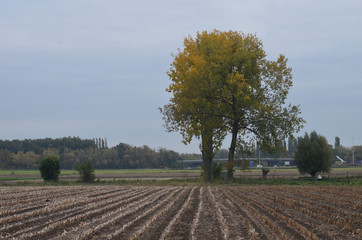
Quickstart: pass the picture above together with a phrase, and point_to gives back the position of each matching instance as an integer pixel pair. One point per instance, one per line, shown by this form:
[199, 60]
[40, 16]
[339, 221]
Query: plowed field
[164, 212]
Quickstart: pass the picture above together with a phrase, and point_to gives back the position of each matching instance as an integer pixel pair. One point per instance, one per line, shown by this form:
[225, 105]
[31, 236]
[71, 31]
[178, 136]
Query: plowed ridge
[192, 212]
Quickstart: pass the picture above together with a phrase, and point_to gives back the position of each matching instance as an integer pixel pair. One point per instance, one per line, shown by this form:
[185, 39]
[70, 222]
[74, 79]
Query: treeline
[27, 154]
[346, 153]
[39, 145]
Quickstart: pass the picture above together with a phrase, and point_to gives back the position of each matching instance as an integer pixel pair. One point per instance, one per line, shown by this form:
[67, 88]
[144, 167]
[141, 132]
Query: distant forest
[27, 154]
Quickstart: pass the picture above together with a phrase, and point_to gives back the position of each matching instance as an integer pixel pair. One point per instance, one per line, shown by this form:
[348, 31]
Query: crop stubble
[178, 212]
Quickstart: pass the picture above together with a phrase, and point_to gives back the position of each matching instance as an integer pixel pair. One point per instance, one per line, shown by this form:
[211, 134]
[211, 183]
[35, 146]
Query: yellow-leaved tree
[223, 84]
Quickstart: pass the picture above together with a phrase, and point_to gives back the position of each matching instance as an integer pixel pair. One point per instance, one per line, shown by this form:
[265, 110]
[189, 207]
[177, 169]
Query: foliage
[191, 111]
[222, 82]
[86, 171]
[37, 145]
[337, 142]
[50, 168]
[72, 153]
[217, 169]
[6, 159]
[265, 172]
[243, 164]
[346, 153]
[313, 154]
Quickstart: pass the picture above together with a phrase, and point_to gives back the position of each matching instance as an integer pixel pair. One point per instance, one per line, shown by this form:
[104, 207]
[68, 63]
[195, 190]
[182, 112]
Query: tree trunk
[207, 155]
[230, 165]
[208, 169]
[313, 174]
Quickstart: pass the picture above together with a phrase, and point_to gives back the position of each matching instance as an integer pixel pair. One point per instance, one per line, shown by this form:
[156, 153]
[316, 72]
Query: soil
[181, 212]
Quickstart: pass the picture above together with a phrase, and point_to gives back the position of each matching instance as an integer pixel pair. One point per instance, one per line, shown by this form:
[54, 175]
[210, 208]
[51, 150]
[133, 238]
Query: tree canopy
[313, 154]
[222, 83]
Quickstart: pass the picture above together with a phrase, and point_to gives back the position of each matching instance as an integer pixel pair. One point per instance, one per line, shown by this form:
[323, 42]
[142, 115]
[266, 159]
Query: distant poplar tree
[337, 142]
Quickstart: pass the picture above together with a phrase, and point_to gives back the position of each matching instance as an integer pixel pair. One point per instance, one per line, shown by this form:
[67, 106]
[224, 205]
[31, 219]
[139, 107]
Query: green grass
[19, 172]
[2, 179]
[98, 171]
[295, 169]
[115, 171]
[346, 168]
[34, 172]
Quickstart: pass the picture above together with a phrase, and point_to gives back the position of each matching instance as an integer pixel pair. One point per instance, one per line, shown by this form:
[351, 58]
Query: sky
[92, 68]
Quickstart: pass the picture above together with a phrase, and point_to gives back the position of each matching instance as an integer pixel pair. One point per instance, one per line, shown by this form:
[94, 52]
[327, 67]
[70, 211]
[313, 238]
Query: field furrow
[259, 227]
[238, 227]
[154, 228]
[311, 214]
[209, 225]
[61, 212]
[125, 223]
[181, 212]
[178, 227]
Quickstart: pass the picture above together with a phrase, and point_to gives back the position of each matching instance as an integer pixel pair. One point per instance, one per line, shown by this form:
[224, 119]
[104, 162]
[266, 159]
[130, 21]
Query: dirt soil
[273, 174]
[181, 212]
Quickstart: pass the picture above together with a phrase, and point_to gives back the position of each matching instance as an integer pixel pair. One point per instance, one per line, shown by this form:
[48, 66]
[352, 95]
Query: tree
[6, 159]
[86, 171]
[313, 154]
[50, 168]
[337, 142]
[27, 160]
[292, 145]
[191, 111]
[222, 82]
[251, 92]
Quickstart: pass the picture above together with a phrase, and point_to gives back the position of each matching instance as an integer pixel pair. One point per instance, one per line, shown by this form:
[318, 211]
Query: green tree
[86, 171]
[292, 145]
[50, 168]
[313, 154]
[222, 82]
[27, 160]
[6, 159]
[337, 142]
[217, 169]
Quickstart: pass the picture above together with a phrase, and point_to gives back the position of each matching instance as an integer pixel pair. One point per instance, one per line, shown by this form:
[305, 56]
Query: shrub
[265, 172]
[313, 154]
[86, 171]
[216, 169]
[50, 168]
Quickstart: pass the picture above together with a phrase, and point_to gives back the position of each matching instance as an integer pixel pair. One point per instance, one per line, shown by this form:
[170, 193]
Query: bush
[216, 170]
[86, 171]
[313, 154]
[50, 168]
[265, 172]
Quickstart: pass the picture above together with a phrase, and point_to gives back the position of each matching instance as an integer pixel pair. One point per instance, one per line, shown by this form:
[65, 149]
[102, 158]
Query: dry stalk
[172, 222]
[197, 216]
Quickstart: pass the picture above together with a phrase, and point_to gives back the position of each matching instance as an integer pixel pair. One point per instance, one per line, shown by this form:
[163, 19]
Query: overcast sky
[93, 68]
